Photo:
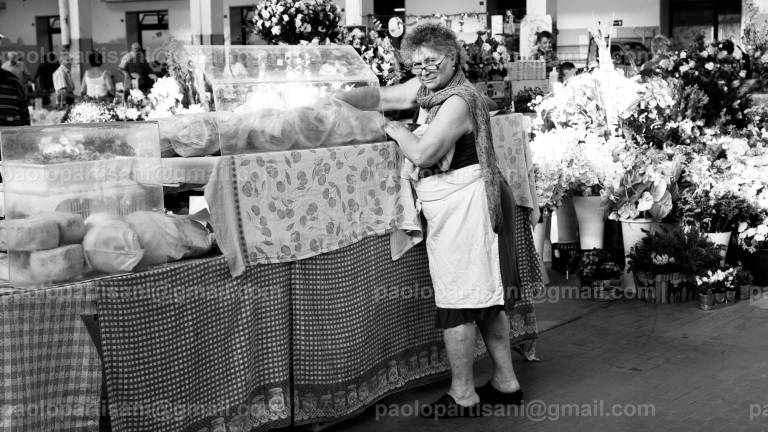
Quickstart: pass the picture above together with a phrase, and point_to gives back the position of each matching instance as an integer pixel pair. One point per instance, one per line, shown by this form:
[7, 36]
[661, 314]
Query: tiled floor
[682, 368]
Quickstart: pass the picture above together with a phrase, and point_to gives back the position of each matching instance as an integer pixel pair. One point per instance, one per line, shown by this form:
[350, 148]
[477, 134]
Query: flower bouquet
[294, 21]
[91, 112]
[380, 55]
[598, 270]
[646, 185]
[486, 60]
[549, 156]
[713, 212]
[714, 283]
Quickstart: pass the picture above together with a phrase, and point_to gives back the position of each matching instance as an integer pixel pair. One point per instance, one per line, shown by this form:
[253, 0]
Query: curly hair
[436, 36]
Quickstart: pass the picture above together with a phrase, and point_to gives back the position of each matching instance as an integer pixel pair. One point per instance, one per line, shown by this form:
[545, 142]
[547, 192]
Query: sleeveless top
[465, 154]
[96, 87]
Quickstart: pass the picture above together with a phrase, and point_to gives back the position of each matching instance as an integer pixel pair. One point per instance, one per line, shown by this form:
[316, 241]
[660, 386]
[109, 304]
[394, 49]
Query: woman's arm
[397, 97]
[451, 122]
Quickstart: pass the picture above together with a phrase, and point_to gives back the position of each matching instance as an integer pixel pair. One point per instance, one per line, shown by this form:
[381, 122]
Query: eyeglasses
[417, 69]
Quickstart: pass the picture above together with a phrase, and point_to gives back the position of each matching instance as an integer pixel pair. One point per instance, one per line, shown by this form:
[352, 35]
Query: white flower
[710, 66]
[683, 54]
[645, 202]
[743, 74]
[684, 68]
[136, 94]
[760, 237]
[276, 30]
[743, 227]
[751, 232]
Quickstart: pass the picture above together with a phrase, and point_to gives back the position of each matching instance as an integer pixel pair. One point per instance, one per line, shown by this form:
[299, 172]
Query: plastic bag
[327, 124]
[112, 246]
[168, 237]
[156, 234]
[192, 134]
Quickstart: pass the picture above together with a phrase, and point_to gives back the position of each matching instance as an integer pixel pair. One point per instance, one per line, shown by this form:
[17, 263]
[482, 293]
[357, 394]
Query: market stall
[315, 240]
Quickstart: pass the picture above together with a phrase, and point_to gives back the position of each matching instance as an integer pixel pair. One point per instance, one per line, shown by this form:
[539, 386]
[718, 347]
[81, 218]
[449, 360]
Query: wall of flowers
[678, 155]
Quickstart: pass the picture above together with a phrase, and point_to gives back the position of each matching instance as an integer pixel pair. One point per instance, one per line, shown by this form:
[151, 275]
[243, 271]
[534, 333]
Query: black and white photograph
[380, 215]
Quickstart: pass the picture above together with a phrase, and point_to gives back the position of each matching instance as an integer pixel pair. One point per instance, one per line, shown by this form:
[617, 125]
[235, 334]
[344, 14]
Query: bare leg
[495, 333]
[460, 346]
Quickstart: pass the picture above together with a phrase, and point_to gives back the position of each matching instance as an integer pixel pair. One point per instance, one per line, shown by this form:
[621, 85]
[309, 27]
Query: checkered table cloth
[364, 327]
[50, 378]
[187, 346]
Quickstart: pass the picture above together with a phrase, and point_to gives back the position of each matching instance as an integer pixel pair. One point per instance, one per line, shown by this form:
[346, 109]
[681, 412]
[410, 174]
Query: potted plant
[742, 280]
[716, 214]
[714, 283]
[654, 263]
[598, 270]
[698, 256]
[642, 195]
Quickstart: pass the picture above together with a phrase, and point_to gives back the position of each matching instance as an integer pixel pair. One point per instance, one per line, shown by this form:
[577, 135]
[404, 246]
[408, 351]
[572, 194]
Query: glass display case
[69, 191]
[271, 98]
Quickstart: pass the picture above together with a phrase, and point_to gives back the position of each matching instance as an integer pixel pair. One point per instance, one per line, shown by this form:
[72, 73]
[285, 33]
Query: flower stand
[722, 240]
[591, 216]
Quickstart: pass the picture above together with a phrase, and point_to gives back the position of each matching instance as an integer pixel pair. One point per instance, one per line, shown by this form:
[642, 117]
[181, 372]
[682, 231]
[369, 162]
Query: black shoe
[489, 395]
[446, 407]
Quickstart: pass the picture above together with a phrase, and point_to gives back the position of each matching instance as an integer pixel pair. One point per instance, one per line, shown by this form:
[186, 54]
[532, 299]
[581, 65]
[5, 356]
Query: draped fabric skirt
[473, 269]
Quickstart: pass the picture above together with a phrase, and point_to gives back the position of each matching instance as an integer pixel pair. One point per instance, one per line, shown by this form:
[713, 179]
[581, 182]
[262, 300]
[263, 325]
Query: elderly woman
[468, 208]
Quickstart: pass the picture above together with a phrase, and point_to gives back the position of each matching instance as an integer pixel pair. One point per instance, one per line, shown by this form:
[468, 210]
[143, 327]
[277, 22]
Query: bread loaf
[71, 226]
[31, 234]
[57, 265]
[14, 267]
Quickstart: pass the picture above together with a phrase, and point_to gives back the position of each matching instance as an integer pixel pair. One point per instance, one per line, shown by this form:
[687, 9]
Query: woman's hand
[398, 132]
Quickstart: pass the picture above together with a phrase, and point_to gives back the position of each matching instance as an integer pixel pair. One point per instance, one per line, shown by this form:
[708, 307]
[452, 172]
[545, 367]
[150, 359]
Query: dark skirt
[448, 318]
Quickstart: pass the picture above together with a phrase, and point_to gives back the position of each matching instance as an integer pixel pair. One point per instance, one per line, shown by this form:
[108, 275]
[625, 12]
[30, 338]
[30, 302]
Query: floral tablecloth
[285, 206]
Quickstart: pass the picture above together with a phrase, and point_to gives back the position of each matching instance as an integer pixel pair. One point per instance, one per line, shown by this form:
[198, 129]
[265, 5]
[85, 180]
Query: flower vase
[706, 301]
[591, 216]
[758, 264]
[567, 223]
[730, 296]
[745, 292]
[722, 240]
[541, 233]
[632, 232]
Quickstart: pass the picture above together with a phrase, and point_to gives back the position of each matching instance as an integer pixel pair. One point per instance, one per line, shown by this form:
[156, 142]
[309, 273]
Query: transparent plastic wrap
[328, 123]
[272, 98]
[58, 177]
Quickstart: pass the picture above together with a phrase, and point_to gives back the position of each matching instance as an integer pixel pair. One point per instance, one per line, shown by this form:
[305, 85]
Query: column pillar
[353, 12]
[77, 35]
[207, 21]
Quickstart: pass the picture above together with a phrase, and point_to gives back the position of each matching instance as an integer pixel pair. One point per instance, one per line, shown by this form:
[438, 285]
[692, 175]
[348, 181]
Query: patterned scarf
[460, 86]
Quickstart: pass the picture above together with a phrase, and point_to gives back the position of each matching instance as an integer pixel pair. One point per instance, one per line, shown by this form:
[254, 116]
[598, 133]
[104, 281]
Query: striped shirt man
[14, 110]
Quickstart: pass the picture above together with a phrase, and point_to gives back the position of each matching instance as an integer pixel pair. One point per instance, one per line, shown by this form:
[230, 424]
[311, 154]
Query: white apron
[462, 248]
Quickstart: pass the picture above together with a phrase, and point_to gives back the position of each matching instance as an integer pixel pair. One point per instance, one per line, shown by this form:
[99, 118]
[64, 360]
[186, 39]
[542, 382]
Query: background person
[44, 77]
[567, 71]
[15, 65]
[97, 82]
[136, 70]
[14, 109]
[544, 50]
[62, 83]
